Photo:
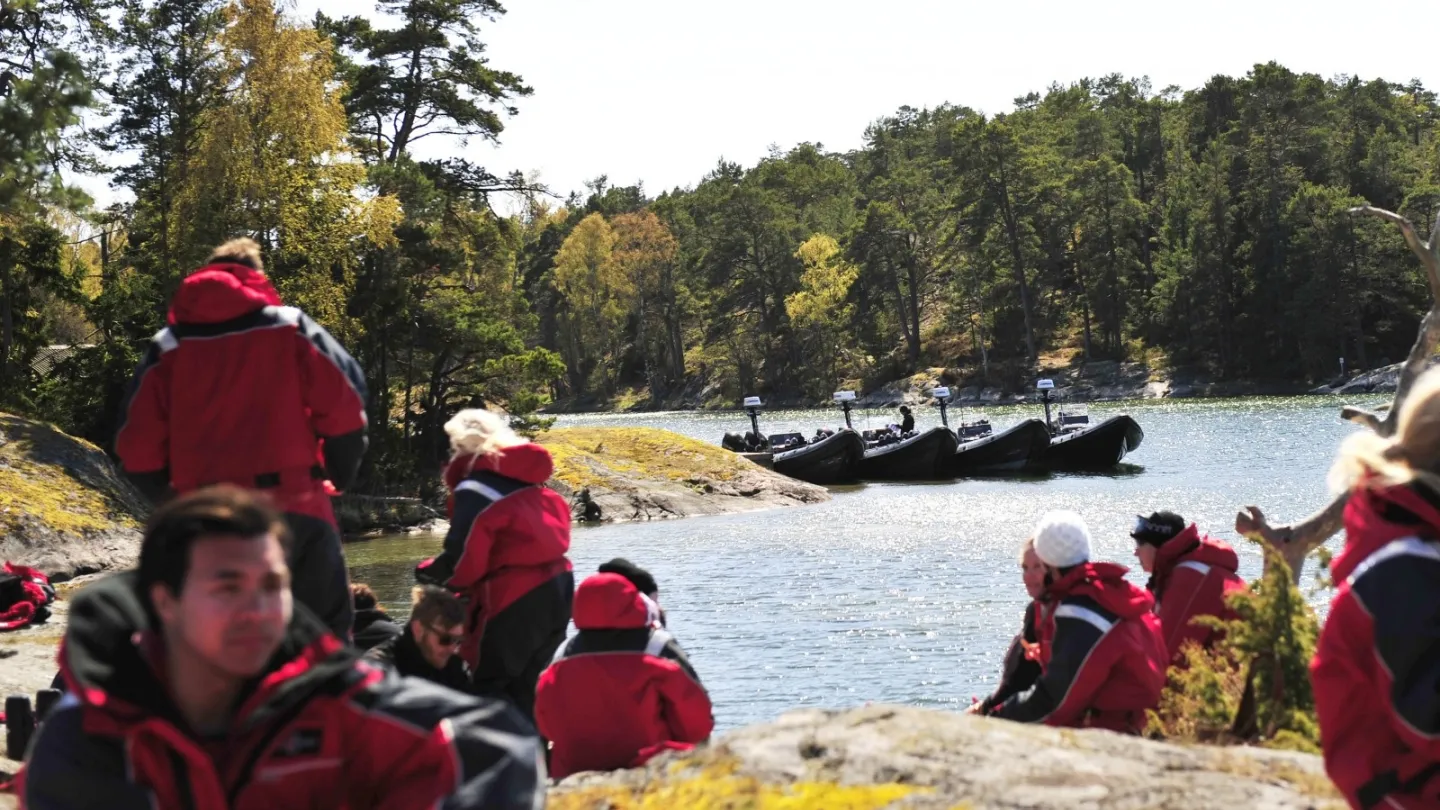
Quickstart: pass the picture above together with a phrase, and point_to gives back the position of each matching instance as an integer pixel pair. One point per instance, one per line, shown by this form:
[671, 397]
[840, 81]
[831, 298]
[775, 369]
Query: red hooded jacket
[1103, 654]
[240, 389]
[621, 690]
[1376, 674]
[508, 533]
[1193, 575]
[318, 729]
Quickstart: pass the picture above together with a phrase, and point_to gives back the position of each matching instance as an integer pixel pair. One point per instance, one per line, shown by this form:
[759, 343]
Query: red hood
[611, 602]
[1189, 545]
[1106, 584]
[221, 292]
[528, 462]
[1374, 517]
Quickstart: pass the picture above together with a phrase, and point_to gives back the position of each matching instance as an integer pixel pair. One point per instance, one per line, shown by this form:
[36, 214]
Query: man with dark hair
[195, 682]
[240, 389]
[373, 626]
[1190, 575]
[430, 644]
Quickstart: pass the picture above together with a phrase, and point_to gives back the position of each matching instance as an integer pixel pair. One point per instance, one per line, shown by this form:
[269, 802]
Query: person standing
[506, 554]
[240, 389]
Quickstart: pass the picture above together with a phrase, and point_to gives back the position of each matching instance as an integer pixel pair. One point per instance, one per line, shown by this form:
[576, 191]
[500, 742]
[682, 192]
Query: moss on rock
[619, 474]
[63, 506]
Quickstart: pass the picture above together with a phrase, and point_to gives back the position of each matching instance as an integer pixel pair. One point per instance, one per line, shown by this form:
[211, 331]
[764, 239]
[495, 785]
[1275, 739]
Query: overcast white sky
[659, 90]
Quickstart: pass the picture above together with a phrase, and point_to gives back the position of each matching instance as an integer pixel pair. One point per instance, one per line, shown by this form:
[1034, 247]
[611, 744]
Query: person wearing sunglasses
[1190, 575]
[430, 644]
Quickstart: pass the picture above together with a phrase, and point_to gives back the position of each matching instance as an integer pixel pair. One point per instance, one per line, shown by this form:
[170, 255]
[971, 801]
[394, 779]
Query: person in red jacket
[1190, 575]
[196, 682]
[1376, 672]
[622, 690]
[1102, 653]
[505, 552]
[240, 389]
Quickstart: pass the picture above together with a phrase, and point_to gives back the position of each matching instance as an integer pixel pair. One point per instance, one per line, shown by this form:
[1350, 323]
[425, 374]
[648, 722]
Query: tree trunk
[7, 312]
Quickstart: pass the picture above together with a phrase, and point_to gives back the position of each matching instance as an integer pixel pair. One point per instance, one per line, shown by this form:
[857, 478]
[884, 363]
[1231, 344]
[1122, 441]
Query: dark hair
[643, 581]
[904, 409]
[363, 597]
[218, 511]
[432, 603]
[1158, 528]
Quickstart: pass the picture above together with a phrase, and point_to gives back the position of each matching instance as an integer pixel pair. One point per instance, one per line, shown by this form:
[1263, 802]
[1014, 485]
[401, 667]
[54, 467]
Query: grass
[586, 457]
[38, 479]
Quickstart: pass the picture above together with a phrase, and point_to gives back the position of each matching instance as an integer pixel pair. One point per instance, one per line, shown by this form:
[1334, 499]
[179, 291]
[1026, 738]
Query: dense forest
[1100, 219]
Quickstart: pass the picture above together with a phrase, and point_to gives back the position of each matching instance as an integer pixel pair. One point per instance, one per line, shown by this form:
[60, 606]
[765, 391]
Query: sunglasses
[446, 639]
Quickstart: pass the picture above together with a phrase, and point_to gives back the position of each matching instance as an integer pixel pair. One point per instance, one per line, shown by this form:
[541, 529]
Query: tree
[645, 253]
[272, 163]
[428, 77]
[819, 310]
[596, 296]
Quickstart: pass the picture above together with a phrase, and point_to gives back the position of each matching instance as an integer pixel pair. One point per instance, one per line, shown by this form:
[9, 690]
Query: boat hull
[1010, 450]
[918, 458]
[1097, 447]
[832, 460]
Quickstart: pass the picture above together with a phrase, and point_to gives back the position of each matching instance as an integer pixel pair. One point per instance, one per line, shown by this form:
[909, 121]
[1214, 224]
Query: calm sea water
[910, 593]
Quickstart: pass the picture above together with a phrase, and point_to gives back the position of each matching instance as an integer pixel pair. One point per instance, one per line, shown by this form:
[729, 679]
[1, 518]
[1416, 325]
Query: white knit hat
[1062, 539]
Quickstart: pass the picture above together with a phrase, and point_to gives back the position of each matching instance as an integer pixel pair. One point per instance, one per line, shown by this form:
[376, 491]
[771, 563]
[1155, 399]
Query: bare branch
[1360, 416]
[1426, 252]
[1296, 540]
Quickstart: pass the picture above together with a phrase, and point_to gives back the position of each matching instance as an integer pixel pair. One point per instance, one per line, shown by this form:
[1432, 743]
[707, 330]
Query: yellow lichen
[47, 491]
[708, 792]
[586, 457]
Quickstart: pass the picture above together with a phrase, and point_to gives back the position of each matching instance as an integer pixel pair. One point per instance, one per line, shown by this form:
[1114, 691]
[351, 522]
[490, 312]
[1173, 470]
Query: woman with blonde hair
[1376, 672]
[505, 553]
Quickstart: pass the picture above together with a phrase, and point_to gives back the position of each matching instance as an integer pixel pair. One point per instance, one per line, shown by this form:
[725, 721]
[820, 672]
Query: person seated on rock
[621, 691]
[1190, 576]
[1101, 647]
[196, 681]
[506, 554]
[1022, 660]
[1376, 675]
[643, 580]
[372, 625]
[907, 420]
[428, 646]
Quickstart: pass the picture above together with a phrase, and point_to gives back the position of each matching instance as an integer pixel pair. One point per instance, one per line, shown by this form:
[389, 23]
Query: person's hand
[976, 707]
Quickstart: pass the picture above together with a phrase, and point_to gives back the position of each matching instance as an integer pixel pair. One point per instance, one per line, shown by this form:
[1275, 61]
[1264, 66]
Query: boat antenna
[752, 407]
[847, 401]
[1045, 387]
[942, 396]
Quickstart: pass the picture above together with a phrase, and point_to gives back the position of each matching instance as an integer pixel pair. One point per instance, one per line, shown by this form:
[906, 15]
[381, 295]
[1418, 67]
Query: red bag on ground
[25, 594]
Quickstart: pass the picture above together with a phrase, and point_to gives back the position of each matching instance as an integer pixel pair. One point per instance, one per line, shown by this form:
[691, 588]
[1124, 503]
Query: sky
[658, 91]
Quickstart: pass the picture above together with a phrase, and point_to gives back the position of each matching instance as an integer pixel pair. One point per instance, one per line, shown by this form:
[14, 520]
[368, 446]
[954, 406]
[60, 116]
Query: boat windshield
[780, 442]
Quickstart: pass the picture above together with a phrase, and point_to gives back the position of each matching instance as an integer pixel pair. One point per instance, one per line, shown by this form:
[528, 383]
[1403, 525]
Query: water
[910, 593]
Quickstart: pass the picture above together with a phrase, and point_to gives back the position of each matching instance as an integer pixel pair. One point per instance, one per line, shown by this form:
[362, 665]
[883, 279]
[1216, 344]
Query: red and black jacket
[621, 690]
[508, 535]
[1022, 662]
[1103, 654]
[318, 729]
[240, 389]
[1193, 575]
[1376, 672]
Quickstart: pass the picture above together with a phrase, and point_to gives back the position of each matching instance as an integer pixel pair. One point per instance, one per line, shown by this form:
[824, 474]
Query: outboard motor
[942, 396]
[847, 401]
[1045, 387]
[733, 442]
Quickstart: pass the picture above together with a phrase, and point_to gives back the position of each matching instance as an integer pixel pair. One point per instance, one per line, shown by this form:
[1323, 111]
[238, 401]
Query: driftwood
[1295, 541]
